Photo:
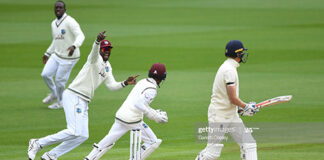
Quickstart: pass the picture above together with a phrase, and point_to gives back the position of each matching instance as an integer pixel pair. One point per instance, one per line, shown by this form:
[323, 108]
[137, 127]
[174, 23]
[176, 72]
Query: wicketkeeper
[130, 116]
[225, 102]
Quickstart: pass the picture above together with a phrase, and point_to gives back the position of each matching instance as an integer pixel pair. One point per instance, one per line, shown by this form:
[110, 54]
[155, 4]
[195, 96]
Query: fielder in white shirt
[62, 54]
[95, 71]
[130, 116]
[223, 110]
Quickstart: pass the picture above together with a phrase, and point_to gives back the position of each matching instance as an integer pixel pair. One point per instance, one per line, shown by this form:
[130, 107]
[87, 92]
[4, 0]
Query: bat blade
[274, 101]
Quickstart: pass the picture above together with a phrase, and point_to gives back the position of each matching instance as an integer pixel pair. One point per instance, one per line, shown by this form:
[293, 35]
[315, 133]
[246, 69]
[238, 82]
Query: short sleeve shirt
[226, 75]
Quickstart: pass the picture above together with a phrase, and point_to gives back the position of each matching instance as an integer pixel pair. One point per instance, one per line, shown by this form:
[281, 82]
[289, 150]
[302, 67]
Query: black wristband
[124, 84]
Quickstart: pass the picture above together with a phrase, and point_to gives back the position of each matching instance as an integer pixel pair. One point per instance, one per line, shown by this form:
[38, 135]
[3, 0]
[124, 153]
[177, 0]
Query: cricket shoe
[55, 105]
[33, 148]
[47, 156]
[49, 99]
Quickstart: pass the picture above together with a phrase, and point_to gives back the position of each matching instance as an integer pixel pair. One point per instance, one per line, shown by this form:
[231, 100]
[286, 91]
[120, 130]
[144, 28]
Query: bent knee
[82, 138]
[46, 75]
[78, 135]
[60, 81]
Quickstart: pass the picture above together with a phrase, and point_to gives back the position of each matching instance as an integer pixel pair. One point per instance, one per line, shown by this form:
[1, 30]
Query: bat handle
[259, 106]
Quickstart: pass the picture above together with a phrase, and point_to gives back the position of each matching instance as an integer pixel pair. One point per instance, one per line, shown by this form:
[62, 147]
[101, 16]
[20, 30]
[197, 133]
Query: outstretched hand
[131, 80]
[101, 36]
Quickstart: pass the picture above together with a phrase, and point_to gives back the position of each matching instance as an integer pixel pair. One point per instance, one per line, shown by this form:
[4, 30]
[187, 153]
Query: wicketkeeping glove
[157, 115]
[164, 116]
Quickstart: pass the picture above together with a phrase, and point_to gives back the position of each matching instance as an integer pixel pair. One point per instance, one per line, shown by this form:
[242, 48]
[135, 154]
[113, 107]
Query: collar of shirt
[151, 80]
[58, 21]
[105, 63]
[232, 62]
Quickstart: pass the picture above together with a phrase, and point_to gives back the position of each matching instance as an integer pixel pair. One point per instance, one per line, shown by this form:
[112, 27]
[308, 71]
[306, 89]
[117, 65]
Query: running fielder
[96, 70]
[225, 101]
[130, 116]
[62, 54]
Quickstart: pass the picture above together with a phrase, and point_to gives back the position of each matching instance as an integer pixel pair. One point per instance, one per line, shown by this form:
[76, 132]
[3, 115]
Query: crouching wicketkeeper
[130, 116]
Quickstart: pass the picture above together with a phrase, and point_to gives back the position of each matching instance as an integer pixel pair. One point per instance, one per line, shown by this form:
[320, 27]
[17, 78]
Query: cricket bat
[274, 101]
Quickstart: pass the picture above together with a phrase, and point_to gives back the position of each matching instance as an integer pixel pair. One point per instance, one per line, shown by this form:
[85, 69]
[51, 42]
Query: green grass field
[286, 56]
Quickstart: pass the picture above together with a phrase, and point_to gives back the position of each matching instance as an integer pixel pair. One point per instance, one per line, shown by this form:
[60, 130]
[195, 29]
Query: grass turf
[286, 57]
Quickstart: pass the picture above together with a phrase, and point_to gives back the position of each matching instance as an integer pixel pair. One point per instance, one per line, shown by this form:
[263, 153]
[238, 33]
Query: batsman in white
[224, 105]
[130, 116]
[96, 70]
[62, 54]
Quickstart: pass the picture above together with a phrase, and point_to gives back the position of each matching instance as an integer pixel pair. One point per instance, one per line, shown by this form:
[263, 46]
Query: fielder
[224, 105]
[130, 116]
[62, 54]
[76, 98]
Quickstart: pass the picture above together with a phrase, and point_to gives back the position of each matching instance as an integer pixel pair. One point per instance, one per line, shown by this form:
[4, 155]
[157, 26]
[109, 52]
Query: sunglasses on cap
[105, 49]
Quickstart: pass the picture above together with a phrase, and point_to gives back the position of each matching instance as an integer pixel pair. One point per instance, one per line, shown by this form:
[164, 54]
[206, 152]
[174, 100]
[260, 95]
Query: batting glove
[250, 109]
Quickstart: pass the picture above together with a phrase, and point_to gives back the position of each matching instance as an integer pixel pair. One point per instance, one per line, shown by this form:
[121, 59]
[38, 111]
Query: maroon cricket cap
[105, 43]
[158, 71]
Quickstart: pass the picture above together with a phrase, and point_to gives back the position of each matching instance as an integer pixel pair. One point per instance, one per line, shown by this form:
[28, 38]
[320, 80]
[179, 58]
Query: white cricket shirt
[137, 101]
[220, 102]
[66, 32]
[93, 73]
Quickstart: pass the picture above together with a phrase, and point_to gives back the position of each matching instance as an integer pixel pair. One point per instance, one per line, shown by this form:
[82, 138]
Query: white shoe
[55, 105]
[33, 148]
[47, 156]
[49, 99]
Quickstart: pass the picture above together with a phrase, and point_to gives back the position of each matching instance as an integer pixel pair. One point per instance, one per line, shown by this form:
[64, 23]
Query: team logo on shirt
[63, 31]
[144, 125]
[78, 110]
[107, 69]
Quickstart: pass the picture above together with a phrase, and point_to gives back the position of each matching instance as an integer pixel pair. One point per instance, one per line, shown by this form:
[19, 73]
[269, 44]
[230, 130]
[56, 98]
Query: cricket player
[76, 98]
[225, 102]
[130, 116]
[62, 54]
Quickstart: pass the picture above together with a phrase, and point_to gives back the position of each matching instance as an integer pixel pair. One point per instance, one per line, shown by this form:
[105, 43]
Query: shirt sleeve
[50, 49]
[229, 77]
[111, 82]
[77, 32]
[94, 54]
[145, 99]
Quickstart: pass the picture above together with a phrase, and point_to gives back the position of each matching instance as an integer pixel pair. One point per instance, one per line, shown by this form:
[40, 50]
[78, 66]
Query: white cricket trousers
[61, 69]
[118, 129]
[76, 113]
[238, 132]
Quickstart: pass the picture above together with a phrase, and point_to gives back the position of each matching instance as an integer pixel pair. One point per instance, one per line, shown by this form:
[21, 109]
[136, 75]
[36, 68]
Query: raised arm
[93, 56]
